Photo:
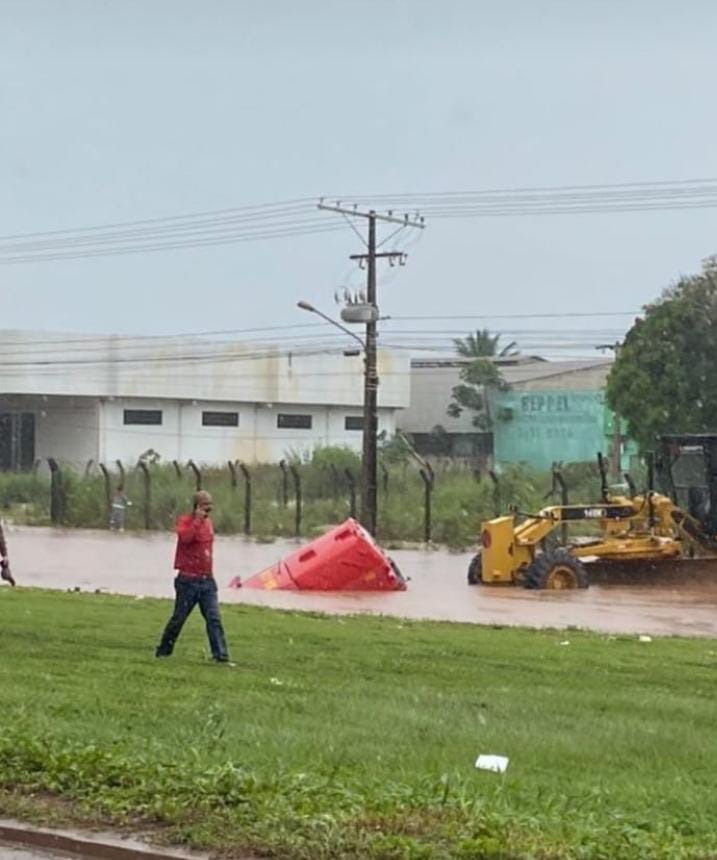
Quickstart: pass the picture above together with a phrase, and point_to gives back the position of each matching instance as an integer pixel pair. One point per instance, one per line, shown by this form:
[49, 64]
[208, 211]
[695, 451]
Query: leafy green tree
[665, 375]
[473, 392]
[483, 344]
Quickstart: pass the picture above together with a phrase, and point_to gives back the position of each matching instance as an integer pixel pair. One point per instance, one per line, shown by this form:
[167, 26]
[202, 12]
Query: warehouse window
[353, 422]
[294, 422]
[143, 416]
[220, 419]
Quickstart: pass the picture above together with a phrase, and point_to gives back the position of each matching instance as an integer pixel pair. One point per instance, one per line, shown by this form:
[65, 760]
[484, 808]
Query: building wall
[540, 427]
[74, 429]
[433, 381]
[78, 387]
[186, 368]
[554, 417]
[182, 436]
[66, 428]
[589, 379]
[430, 395]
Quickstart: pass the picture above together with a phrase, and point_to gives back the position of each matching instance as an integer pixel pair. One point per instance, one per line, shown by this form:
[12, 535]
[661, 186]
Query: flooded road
[140, 564]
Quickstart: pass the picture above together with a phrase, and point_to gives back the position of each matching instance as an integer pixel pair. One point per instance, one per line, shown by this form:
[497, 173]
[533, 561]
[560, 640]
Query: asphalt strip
[78, 844]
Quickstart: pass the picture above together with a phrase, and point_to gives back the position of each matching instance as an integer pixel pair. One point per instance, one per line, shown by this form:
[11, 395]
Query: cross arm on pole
[376, 256]
[407, 220]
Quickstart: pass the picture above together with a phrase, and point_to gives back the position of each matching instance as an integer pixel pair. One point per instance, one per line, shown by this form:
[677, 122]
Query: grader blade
[669, 571]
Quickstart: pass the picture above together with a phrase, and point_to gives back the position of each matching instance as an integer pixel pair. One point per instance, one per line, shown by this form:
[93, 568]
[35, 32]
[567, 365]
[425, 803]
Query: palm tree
[483, 344]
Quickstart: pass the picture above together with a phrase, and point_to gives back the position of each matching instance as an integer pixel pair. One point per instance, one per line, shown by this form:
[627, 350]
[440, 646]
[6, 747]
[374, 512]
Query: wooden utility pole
[369, 482]
[369, 471]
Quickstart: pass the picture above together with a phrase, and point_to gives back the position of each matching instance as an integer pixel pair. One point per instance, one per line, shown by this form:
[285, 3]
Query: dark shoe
[161, 654]
[224, 661]
[5, 573]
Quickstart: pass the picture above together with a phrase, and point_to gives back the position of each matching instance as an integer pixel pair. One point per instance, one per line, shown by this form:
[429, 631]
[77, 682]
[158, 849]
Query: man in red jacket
[195, 582]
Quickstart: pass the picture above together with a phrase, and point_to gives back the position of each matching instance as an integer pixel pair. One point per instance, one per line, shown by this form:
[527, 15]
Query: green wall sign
[541, 427]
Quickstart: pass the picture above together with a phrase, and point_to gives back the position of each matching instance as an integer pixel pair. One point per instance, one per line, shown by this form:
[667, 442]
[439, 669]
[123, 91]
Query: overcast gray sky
[133, 109]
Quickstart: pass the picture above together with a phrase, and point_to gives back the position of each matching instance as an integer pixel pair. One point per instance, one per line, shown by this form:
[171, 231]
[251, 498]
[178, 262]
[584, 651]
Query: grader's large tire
[556, 570]
[475, 576]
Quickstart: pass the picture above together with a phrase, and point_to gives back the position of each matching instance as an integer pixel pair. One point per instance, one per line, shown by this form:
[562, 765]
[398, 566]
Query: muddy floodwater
[140, 564]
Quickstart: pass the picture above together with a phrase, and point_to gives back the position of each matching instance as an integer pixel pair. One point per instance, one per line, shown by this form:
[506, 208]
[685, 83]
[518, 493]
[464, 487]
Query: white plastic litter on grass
[496, 763]
[645, 639]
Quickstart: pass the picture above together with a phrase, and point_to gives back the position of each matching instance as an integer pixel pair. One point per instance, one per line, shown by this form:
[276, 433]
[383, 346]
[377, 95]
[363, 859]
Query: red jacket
[195, 537]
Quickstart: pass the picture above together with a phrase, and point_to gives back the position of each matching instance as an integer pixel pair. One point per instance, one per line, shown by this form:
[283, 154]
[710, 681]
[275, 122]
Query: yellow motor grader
[656, 530]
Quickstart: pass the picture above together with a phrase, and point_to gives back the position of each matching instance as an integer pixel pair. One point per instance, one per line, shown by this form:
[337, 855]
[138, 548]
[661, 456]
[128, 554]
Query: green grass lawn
[357, 737]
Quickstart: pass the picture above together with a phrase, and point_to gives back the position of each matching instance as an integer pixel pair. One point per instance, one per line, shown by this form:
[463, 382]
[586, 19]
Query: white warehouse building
[103, 398]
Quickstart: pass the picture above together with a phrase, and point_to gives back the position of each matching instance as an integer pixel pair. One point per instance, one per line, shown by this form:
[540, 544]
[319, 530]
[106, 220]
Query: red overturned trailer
[344, 559]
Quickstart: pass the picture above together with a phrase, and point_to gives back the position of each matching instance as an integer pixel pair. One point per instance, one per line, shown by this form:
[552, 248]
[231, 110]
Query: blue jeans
[189, 593]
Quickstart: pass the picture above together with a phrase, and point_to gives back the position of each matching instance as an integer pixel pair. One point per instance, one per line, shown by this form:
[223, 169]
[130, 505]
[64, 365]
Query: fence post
[147, 493]
[602, 468]
[560, 481]
[428, 481]
[120, 485]
[335, 480]
[232, 474]
[177, 470]
[631, 484]
[57, 500]
[197, 474]
[384, 474]
[497, 502]
[352, 492]
[247, 498]
[88, 467]
[108, 489]
[284, 483]
[297, 490]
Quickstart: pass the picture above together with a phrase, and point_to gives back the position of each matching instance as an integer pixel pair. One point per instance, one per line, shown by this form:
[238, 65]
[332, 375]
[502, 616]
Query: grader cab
[643, 533]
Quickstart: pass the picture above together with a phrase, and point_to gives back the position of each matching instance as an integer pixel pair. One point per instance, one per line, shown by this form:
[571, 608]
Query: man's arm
[187, 528]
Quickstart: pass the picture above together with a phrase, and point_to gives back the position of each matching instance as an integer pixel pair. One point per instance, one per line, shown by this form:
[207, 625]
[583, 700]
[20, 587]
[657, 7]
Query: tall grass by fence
[445, 505]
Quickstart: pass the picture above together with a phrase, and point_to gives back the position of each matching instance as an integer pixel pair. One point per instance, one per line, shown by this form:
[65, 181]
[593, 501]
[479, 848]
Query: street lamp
[307, 306]
[370, 418]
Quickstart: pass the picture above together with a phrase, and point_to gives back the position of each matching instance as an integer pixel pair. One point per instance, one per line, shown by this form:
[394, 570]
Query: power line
[298, 202]
[297, 217]
[189, 358]
[647, 185]
[237, 237]
[189, 230]
[105, 349]
[575, 210]
[639, 196]
[103, 342]
[559, 315]
[114, 339]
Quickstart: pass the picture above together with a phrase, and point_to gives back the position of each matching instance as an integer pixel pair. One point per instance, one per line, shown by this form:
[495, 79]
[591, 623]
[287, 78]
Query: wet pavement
[22, 841]
[8, 853]
[140, 564]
